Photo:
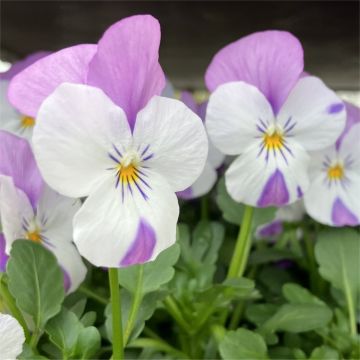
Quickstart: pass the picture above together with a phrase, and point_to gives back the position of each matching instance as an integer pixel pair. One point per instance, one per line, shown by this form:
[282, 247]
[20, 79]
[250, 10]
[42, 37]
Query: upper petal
[350, 147]
[115, 230]
[270, 60]
[352, 118]
[30, 87]
[23, 64]
[234, 112]
[316, 113]
[177, 139]
[77, 127]
[17, 161]
[126, 64]
[12, 337]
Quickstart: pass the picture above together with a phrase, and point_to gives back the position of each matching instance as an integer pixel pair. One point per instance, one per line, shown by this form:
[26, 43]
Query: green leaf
[269, 255]
[63, 331]
[156, 273]
[296, 294]
[88, 319]
[243, 344]
[28, 354]
[88, 343]
[35, 281]
[324, 353]
[259, 313]
[338, 254]
[298, 318]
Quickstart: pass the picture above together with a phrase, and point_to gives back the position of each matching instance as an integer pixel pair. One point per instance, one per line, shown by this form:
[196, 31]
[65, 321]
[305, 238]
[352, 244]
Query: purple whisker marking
[140, 172]
[267, 155]
[283, 155]
[112, 168]
[117, 150]
[287, 123]
[290, 128]
[288, 149]
[117, 181]
[25, 221]
[141, 191]
[275, 191]
[112, 157]
[299, 192]
[145, 150]
[144, 182]
[122, 191]
[262, 147]
[265, 126]
[24, 227]
[129, 185]
[148, 157]
[260, 129]
[335, 108]
[142, 247]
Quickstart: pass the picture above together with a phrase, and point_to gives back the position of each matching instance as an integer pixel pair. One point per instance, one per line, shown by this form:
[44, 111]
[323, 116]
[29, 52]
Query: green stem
[34, 339]
[135, 304]
[10, 303]
[117, 338]
[204, 208]
[91, 294]
[242, 247]
[175, 312]
[236, 316]
[309, 247]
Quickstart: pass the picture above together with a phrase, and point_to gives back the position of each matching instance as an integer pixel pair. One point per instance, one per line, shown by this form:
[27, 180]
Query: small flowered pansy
[115, 142]
[12, 120]
[334, 192]
[30, 210]
[263, 109]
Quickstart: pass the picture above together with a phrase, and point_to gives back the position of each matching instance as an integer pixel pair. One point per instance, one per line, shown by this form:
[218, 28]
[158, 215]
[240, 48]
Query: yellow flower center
[128, 168]
[27, 121]
[34, 236]
[273, 140]
[335, 172]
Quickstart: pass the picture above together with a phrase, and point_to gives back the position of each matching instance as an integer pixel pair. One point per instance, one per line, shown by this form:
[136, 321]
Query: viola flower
[287, 214]
[208, 177]
[10, 119]
[12, 337]
[333, 196]
[263, 109]
[31, 210]
[121, 146]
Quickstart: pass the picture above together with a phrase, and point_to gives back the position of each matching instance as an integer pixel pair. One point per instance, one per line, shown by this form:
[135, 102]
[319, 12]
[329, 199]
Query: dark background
[193, 31]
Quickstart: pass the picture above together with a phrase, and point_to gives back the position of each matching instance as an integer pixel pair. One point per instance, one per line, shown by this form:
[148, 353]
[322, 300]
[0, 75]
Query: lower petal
[113, 230]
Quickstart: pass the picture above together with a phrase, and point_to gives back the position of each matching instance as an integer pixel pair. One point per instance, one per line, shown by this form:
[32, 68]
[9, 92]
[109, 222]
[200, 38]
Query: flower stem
[135, 304]
[91, 294]
[204, 208]
[242, 247]
[175, 312]
[117, 339]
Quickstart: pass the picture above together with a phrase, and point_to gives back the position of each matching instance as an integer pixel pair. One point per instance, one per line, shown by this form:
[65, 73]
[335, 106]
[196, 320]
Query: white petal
[76, 128]
[14, 207]
[215, 156]
[291, 213]
[317, 115]
[232, 116]
[205, 182]
[255, 181]
[71, 263]
[177, 140]
[12, 337]
[350, 147]
[115, 230]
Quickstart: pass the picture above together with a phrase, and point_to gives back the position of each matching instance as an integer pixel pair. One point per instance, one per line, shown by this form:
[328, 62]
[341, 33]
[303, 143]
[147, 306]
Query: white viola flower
[262, 109]
[12, 337]
[10, 118]
[130, 177]
[208, 177]
[334, 193]
[31, 210]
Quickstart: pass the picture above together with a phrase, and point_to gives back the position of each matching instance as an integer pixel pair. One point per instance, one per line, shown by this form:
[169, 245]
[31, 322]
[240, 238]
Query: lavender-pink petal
[270, 60]
[3, 256]
[29, 88]
[22, 64]
[18, 162]
[352, 118]
[126, 65]
[342, 216]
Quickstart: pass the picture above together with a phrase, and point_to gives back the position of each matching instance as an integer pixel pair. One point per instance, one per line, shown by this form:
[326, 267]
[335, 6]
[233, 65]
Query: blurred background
[192, 31]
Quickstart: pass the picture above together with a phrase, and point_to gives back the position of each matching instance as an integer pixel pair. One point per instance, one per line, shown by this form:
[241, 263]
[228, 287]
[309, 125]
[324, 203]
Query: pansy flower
[31, 210]
[334, 193]
[12, 337]
[115, 142]
[208, 177]
[264, 110]
[10, 119]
